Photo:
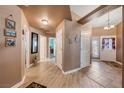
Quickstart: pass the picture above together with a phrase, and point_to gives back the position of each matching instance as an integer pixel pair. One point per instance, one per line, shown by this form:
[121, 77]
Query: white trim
[113, 61]
[118, 62]
[19, 83]
[30, 65]
[71, 71]
[47, 59]
[38, 62]
[60, 67]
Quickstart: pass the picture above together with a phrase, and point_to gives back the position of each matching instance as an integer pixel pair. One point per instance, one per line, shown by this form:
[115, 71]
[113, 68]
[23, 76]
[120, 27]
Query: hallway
[61, 40]
[98, 75]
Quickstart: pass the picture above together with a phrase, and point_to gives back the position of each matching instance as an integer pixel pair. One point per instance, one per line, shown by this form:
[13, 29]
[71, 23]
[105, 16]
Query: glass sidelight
[95, 47]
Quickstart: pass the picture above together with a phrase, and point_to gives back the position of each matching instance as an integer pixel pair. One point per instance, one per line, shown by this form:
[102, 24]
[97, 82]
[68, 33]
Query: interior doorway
[43, 48]
[52, 47]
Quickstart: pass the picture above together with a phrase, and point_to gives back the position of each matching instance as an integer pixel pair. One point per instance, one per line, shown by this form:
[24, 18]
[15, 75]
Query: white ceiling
[115, 18]
[82, 10]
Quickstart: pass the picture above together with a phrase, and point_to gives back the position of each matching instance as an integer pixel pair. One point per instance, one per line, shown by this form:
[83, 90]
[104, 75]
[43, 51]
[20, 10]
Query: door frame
[26, 55]
[122, 46]
[54, 46]
[58, 31]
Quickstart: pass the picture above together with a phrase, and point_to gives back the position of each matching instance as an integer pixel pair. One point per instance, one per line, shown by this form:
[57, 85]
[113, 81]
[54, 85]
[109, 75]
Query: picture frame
[9, 33]
[10, 42]
[108, 43]
[34, 43]
[10, 24]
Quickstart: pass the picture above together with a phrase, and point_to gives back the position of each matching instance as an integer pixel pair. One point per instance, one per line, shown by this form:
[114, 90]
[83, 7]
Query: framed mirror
[34, 43]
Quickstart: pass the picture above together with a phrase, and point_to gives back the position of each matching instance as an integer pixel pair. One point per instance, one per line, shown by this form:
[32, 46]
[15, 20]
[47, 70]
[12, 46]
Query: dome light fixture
[44, 21]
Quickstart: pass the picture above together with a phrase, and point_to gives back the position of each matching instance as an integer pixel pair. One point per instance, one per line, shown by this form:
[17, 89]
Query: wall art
[10, 33]
[10, 24]
[10, 42]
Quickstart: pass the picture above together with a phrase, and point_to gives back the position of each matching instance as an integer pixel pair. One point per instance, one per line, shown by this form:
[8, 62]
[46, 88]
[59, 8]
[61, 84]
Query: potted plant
[35, 59]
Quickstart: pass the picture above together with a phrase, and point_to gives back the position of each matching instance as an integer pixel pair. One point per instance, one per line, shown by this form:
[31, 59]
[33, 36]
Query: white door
[85, 48]
[59, 48]
[43, 48]
[108, 48]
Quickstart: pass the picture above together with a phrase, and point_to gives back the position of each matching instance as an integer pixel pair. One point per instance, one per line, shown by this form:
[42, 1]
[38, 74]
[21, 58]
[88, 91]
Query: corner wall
[71, 51]
[119, 42]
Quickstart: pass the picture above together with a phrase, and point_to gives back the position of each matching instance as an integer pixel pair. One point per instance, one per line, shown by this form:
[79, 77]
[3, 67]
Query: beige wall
[12, 67]
[99, 31]
[119, 42]
[71, 51]
[10, 57]
[24, 27]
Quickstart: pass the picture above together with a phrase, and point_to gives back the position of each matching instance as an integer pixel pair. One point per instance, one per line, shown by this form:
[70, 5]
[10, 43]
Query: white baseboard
[118, 62]
[19, 84]
[114, 62]
[71, 71]
[45, 60]
[30, 65]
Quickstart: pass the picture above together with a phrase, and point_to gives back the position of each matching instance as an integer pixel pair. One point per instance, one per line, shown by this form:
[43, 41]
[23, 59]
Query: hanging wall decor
[10, 42]
[108, 43]
[10, 33]
[77, 39]
[10, 24]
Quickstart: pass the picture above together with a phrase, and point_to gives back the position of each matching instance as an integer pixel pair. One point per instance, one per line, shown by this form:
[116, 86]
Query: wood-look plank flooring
[98, 75]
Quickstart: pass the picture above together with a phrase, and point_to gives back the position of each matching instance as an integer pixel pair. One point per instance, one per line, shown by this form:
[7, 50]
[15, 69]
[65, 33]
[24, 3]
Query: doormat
[35, 85]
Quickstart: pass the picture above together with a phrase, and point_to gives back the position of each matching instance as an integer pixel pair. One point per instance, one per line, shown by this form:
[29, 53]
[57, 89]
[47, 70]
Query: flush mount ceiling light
[108, 27]
[44, 21]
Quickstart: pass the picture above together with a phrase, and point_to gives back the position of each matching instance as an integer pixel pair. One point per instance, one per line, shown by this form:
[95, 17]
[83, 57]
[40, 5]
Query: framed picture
[9, 33]
[34, 43]
[10, 24]
[10, 42]
[108, 43]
